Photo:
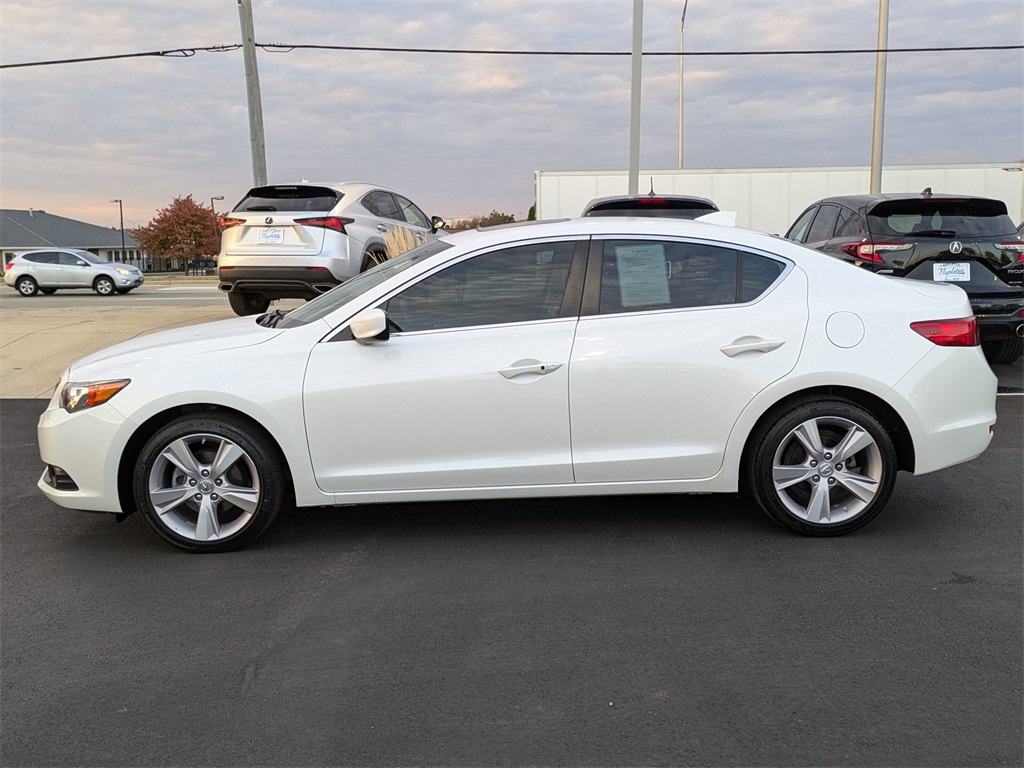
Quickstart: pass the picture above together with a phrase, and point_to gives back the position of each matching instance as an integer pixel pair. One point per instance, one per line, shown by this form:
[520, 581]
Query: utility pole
[682, 26]
[120, 210]
[252, 90]
[634, 96]
[878, 125]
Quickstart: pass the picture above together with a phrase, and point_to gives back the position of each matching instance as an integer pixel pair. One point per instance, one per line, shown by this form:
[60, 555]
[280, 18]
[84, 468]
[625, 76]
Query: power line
[282, 48]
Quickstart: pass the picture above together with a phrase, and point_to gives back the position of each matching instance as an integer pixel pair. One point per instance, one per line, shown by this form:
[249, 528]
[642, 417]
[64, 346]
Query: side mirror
[370, 326]
[436, 223]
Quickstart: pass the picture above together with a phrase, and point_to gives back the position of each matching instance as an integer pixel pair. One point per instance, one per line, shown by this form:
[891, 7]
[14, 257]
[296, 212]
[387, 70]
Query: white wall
[770, 199]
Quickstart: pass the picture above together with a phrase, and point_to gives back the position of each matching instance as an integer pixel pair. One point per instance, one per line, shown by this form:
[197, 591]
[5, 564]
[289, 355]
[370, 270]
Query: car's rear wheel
[1003, 352]
[248, 303]
[26, 286]
[822, 466]
[209, 483]
[104, 286]
[372, 258]
[47, 291]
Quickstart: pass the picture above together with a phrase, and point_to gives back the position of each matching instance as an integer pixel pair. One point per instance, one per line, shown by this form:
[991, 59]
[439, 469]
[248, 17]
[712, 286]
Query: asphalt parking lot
[620, 631]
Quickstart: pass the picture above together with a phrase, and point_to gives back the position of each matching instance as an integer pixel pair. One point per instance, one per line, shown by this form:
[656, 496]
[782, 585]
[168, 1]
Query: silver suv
[44, 271]
[301, 240]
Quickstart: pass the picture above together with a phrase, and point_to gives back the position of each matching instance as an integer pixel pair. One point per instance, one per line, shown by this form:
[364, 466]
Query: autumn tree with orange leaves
[179, 233]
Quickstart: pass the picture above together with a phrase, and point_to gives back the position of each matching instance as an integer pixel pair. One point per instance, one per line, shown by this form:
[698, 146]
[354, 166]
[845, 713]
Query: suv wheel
[248, 303]
[104, 286]
[1003, 352]
[372, 259]
[26, 286]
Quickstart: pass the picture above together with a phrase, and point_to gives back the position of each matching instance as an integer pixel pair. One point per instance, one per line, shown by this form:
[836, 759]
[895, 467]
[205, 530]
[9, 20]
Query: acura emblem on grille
[955, 247]
[270, 220]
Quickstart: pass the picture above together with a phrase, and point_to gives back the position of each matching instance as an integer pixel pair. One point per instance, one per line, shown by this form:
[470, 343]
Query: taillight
[868, 251]
[962, 332]
[8, 265]
[337, 223]
[226, 223]
[1015, 247]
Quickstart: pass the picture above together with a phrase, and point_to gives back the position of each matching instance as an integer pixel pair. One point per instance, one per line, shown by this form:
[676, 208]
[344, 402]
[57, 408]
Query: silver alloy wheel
[104, 286]
[827, 470]
[204, 487]
[26, 286]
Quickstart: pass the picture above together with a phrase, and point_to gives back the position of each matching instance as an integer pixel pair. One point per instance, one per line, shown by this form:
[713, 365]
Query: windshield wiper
[271, 319]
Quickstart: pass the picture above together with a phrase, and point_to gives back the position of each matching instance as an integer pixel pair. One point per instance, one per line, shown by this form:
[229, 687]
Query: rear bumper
[277, 282]
[999, 320]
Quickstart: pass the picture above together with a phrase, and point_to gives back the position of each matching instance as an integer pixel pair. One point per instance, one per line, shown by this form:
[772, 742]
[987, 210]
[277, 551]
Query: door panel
[655, 394]
[434, 410]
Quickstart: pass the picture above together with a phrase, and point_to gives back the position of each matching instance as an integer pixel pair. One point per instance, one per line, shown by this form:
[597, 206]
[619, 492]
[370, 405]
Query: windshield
[323, 305]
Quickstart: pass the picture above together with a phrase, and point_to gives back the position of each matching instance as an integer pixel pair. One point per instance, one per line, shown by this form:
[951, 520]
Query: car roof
[868, 201]
[647, 196]
[351, 187]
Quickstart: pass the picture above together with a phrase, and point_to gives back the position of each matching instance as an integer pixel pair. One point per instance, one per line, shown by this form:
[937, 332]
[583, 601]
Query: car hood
[178, 342]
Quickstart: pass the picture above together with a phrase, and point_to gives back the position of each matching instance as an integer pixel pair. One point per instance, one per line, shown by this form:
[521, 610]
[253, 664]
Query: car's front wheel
[1003, 352]
[26, 286]
[823, 466]
[248, 303]
[209, 483]
[104, 286]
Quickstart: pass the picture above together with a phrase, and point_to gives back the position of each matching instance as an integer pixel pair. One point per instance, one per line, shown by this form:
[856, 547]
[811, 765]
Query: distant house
[31, 229]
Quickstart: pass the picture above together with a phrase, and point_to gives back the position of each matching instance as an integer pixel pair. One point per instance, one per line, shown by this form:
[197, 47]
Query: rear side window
[47, 257]
[941, 217]
[294, 198]
[658, 207]
[798, 232]
[642, 275]
[382, 204]
[824, 224]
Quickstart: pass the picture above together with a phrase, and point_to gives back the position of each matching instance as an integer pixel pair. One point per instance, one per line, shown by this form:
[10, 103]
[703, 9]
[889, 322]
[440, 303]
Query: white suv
[301, 240]
[44, 271]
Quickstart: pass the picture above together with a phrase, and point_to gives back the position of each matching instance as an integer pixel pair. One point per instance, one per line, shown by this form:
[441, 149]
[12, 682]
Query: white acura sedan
[584, 357]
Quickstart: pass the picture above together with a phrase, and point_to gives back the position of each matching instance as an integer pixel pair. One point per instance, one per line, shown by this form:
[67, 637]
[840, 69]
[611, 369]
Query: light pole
[218, 197]
[682, 26]
[120, 208]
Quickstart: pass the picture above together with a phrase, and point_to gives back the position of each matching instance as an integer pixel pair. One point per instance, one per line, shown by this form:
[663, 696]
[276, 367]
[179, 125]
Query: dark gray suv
[968, 241]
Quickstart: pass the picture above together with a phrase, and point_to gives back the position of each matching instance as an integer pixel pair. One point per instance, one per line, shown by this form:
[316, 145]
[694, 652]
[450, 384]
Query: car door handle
[519, 367]
[382, 228]
[751, 344]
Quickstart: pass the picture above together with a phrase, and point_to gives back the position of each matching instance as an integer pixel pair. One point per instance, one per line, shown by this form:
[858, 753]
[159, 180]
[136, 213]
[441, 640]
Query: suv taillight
[337, 223]
[868, 251]
[225, 223]
[962, 332]
[9, 264]
[1016, 247]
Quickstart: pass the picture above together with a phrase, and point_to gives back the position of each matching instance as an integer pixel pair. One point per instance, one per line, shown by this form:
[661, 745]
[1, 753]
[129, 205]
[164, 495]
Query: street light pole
[120, 208]
[682, 25]
[218, 197]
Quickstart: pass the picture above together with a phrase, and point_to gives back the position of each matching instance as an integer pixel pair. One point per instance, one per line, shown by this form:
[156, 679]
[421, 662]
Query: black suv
[663, 206]
[969, 241]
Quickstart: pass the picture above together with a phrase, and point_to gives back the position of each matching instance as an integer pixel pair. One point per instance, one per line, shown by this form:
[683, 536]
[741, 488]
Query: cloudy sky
[462, 133]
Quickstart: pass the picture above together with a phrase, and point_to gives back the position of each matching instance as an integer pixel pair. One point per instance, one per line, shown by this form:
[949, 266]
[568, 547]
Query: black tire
[194, 516]
[248, 303]
[104, 286]
[797, 478]
[48, 291]
[1003, 352]
[26, 286]
[372, 258]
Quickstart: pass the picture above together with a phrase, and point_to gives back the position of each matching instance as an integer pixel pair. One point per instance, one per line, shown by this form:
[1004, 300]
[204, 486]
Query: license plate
[274, 236]
[952, 271]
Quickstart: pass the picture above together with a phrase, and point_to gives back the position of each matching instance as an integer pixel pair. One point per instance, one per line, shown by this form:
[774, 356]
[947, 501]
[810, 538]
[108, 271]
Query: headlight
[77, 396]
[122, 271]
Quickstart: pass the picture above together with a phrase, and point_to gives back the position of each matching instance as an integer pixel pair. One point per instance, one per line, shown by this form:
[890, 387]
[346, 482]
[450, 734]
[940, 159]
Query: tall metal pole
[252, 90]
[878, 125]
[682, 26]
[634, 100]
[120, 210]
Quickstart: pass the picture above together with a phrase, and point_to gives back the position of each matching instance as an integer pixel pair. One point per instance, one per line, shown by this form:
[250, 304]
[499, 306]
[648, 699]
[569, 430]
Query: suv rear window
[289, 198]
[660, 207]
[944, 217]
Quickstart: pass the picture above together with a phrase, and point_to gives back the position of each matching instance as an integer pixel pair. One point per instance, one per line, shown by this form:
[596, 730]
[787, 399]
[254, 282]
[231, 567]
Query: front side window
[511, 285]
[411, 213]
[798, 232]
[71, 260]
[643, 275]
